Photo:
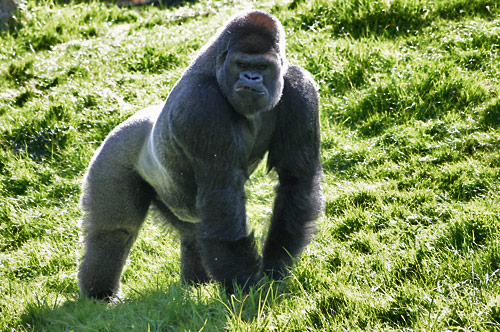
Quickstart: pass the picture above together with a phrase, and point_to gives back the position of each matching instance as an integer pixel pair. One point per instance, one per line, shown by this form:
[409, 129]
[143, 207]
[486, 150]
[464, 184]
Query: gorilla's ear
[222, 57]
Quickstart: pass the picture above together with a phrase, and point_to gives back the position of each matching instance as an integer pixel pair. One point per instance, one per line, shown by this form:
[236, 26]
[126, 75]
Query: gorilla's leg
[192, 270]
[115, 201]
[103, 262]
[191, 263]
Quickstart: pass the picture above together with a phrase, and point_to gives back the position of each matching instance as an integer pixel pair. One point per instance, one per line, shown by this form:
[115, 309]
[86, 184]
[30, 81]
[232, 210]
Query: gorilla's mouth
[247, 88]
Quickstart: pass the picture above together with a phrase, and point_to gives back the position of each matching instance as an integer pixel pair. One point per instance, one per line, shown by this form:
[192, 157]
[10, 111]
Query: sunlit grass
[410, 119]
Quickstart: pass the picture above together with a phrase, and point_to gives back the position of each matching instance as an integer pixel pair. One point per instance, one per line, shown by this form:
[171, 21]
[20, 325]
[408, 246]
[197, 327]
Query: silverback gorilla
[190, 159]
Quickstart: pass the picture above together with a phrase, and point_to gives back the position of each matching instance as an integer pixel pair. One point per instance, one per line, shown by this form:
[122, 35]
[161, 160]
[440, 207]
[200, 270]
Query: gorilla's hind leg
[192, 269]
[191, 264]
[114, 210]
[103, 262]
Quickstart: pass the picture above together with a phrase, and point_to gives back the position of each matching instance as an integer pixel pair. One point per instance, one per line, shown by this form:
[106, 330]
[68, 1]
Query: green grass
[410, 115]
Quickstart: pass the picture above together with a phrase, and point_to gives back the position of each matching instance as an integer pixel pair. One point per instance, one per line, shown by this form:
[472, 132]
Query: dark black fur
[238, 100]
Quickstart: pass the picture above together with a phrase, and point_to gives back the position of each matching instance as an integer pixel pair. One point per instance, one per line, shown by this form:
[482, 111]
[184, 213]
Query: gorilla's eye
[242, 65]
[262, 66]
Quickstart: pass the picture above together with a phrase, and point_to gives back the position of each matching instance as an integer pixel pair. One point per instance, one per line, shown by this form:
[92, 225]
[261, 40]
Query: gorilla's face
[251, 82]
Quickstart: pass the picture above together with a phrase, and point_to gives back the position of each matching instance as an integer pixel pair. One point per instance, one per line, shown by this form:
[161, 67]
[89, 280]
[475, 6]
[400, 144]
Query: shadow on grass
[176, 308]
[490, 117]
[384, 18]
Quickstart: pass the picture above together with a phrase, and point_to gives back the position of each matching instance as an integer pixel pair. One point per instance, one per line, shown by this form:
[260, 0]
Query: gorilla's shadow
[178, 307]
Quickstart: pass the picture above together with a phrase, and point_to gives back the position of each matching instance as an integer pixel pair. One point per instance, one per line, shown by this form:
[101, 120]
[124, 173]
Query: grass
[410, 115]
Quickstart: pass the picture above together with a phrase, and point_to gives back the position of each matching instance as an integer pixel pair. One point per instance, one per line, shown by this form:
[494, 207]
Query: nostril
[252, 76]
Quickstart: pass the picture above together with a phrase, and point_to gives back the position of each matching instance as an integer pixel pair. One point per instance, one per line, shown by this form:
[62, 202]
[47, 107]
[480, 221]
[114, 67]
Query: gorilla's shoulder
[300, 92]
[195, 95]
[299, 78]
[196, 90]
[196, 105]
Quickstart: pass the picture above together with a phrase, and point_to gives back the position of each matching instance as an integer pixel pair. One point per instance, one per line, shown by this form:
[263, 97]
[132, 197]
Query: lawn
[410, 118]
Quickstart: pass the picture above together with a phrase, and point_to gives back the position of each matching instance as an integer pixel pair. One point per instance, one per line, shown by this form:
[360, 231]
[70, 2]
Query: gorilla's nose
[250, 76]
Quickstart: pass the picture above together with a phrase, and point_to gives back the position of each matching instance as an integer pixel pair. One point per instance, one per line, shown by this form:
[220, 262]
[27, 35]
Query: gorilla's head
[251, 63]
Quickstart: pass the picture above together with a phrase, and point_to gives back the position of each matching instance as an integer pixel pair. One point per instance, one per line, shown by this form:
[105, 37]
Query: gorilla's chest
[256, 134]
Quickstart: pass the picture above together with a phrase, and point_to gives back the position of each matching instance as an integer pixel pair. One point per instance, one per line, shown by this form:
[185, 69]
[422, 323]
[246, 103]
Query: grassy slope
[411, 139]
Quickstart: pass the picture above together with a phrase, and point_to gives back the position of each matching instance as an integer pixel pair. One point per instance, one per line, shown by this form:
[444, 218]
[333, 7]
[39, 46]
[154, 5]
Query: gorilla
[190, 159]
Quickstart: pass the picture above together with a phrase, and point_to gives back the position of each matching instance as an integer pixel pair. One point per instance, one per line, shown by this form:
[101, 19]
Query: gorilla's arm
[294, 153]
[211, 141]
